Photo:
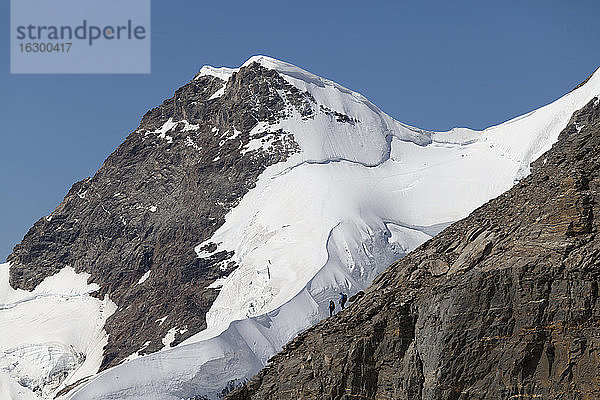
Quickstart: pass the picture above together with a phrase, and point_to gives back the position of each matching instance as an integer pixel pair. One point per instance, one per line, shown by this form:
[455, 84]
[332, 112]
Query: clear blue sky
[432, 64]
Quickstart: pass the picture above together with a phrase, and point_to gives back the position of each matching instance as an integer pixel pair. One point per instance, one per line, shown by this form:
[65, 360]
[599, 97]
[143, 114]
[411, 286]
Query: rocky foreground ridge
[501, 305]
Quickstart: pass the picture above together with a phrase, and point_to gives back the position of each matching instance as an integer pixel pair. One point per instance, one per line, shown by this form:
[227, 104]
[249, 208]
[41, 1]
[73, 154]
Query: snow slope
[359, 178]
[364, 190]
[50, 337]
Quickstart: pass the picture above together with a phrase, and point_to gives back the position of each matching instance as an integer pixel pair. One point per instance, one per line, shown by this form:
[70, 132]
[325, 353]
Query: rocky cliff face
[134, 225]
[501, 305]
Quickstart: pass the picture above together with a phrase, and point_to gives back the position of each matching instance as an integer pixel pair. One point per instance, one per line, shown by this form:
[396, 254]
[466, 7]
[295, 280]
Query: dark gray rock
[501, 305]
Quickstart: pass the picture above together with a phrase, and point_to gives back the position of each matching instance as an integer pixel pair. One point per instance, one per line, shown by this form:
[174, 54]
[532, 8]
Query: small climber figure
[331, 307]
[343, 299]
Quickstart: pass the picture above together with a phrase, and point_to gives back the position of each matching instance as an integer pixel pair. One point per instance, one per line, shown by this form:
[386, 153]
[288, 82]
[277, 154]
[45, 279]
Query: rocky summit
[503, 304]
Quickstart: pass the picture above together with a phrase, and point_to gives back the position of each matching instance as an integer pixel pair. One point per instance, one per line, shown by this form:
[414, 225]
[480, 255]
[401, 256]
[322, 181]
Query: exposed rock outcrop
[501, 305]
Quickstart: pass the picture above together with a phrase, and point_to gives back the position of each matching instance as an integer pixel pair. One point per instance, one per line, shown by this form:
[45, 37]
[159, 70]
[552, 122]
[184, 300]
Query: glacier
[55, 331]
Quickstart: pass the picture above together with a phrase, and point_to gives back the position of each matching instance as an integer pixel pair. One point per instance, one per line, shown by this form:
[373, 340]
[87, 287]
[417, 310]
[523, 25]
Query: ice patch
[189, 127]
[137, 354]
[169, 338]
[218, 93]
[162, 131]
[14, 391]
[190, 143]
[144, 277]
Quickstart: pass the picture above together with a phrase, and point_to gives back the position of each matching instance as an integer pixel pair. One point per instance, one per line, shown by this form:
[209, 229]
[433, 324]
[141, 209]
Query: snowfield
[363, 191]
[51, 337]
[338, 197]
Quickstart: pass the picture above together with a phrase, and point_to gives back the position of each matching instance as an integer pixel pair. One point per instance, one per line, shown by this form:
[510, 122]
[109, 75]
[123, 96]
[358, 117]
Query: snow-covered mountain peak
[368, 141]
[242, 205]
[344, 124]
